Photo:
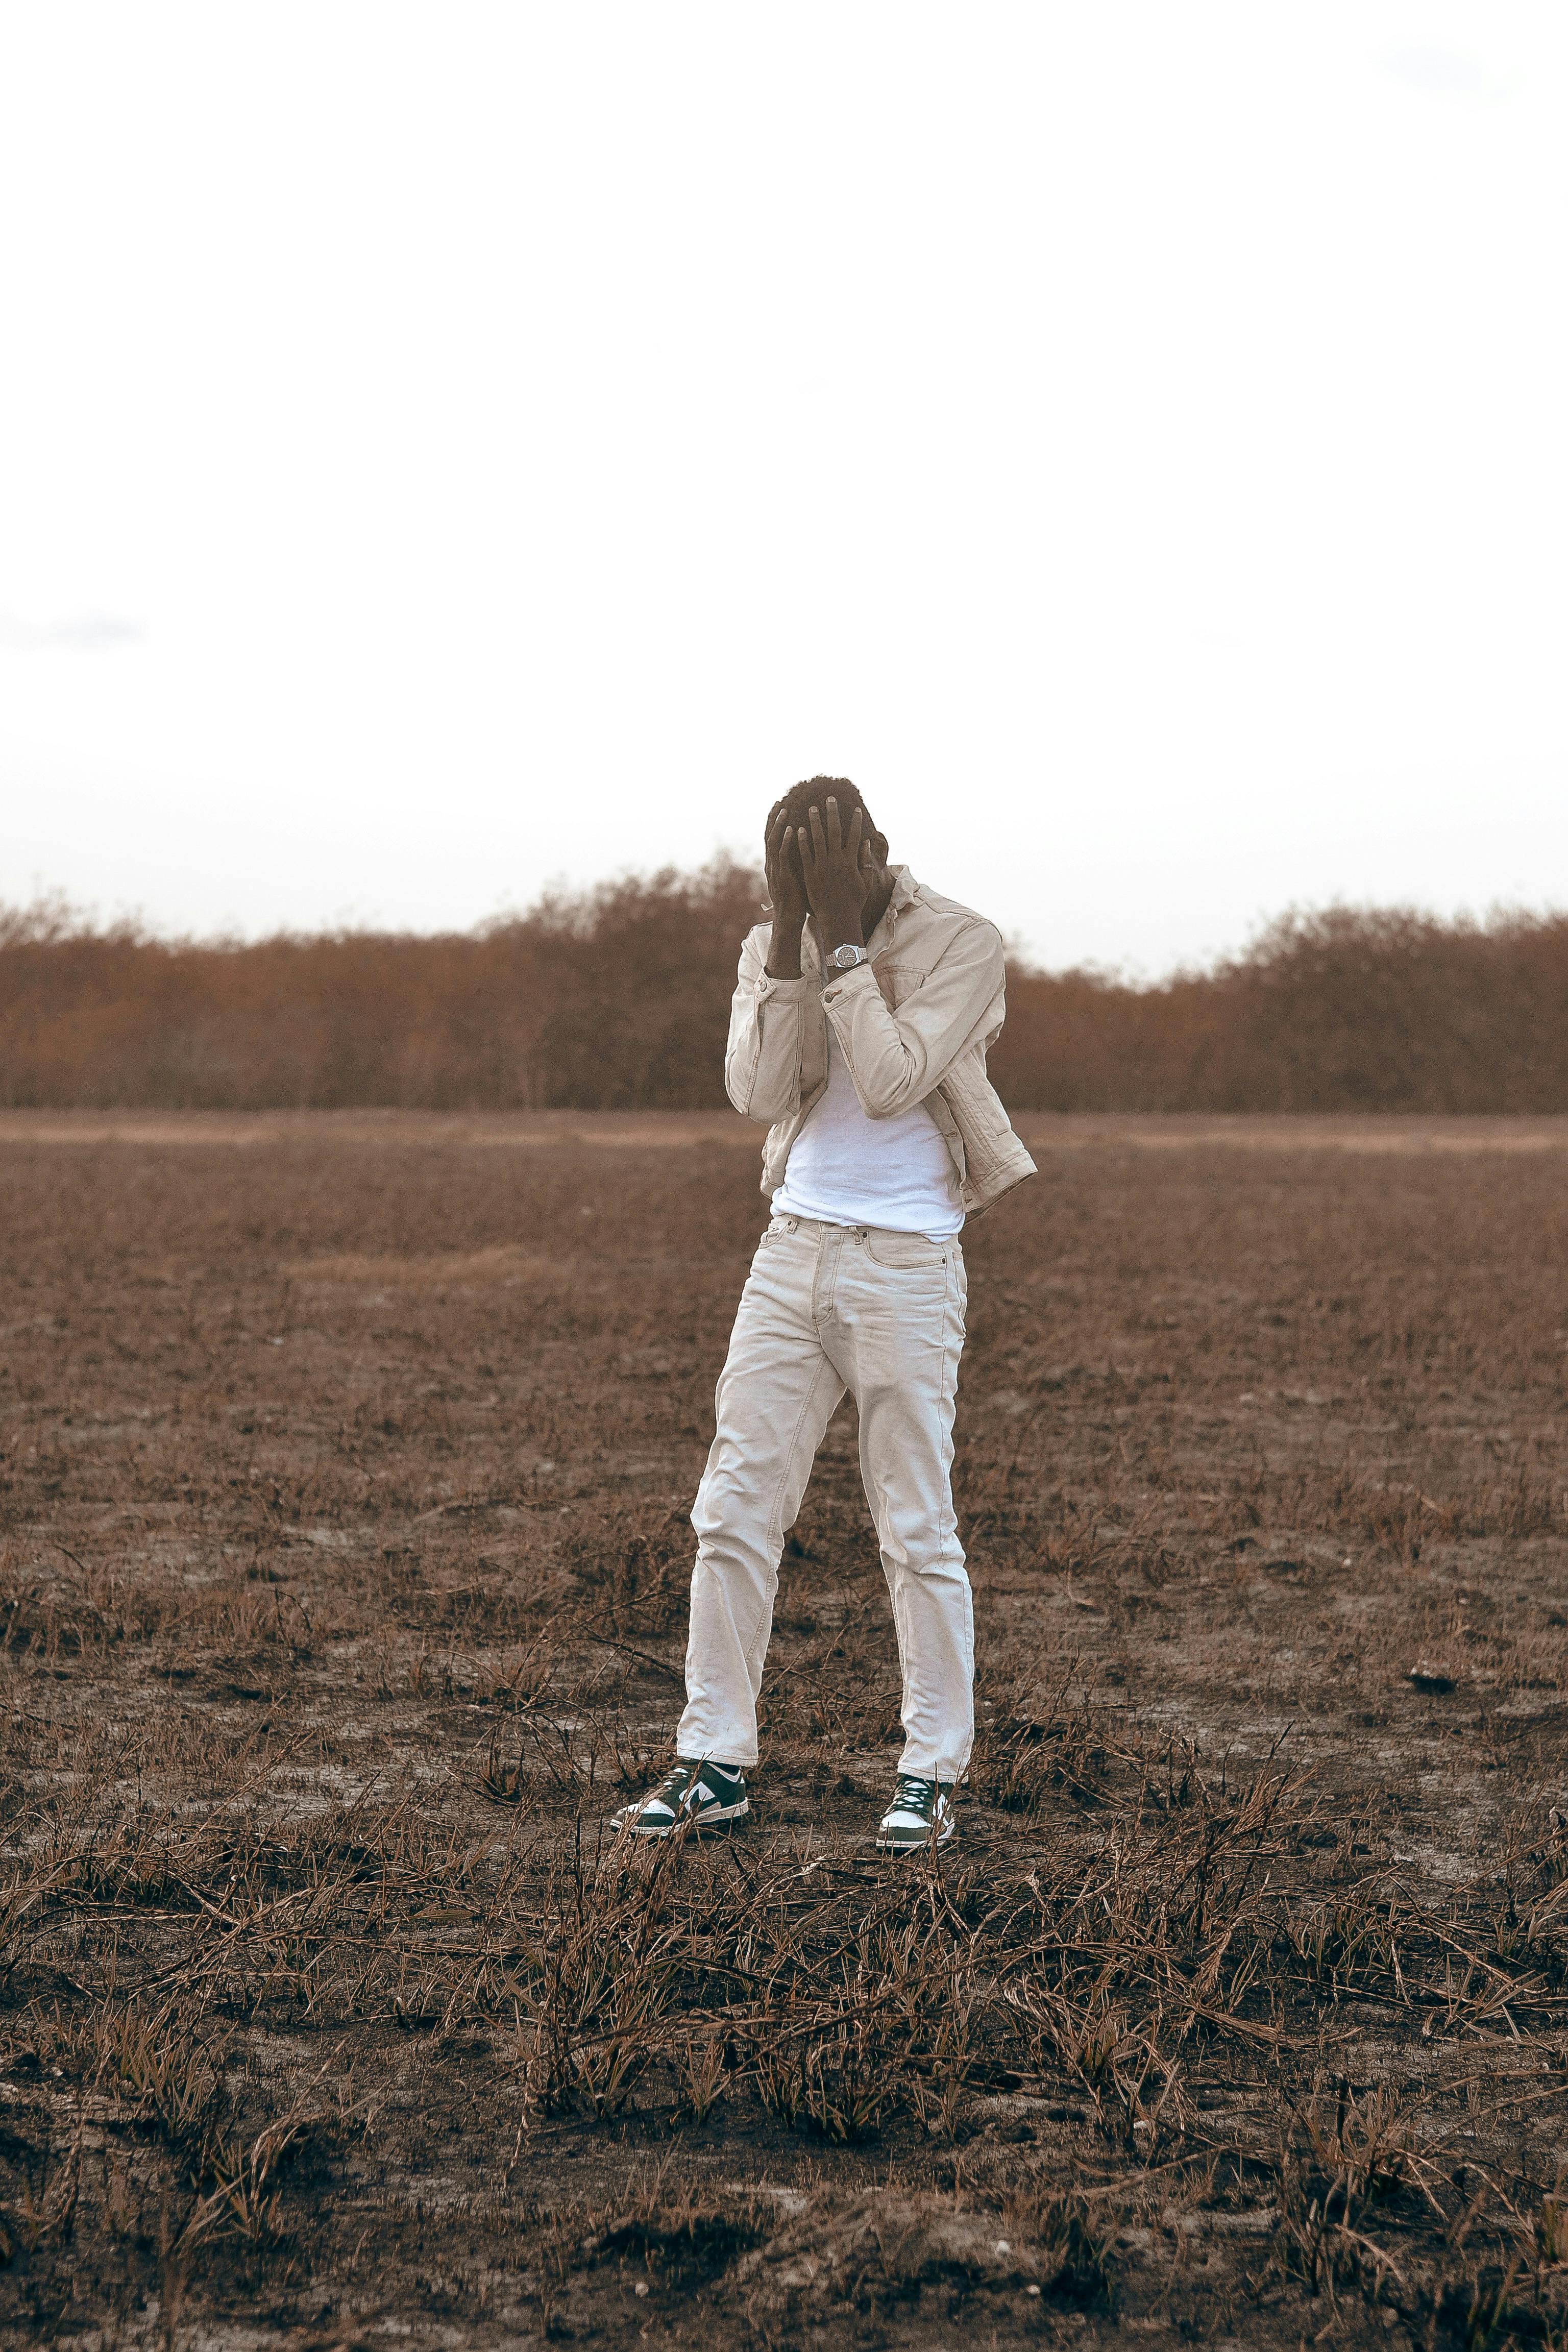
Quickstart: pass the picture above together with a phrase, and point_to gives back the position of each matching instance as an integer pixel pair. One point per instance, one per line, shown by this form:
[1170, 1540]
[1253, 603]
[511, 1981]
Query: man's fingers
[852, 839]
[834, 838]
[818, 838]
[810, 867]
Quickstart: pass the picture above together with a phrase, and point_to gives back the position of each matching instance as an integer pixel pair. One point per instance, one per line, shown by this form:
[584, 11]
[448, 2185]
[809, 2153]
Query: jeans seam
[945, 1396]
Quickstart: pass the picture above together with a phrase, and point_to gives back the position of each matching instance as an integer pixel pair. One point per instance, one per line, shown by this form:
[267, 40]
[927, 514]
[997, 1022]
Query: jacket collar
[904, 888]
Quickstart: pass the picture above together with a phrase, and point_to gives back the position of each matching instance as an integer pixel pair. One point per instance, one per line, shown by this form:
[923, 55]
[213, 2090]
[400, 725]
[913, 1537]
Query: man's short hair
[801, 799]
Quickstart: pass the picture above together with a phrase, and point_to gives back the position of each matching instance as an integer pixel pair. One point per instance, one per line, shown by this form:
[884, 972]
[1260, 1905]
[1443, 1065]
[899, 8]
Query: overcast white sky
[447, 446]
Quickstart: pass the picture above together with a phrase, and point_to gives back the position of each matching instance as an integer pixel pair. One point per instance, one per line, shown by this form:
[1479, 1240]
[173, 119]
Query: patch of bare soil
[343, 1550]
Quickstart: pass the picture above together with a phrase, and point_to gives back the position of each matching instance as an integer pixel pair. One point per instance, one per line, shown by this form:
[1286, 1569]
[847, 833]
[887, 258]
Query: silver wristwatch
[845, 959]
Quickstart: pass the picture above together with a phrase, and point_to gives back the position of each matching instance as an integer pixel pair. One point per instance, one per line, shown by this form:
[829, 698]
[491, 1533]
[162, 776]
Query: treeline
[617, 999]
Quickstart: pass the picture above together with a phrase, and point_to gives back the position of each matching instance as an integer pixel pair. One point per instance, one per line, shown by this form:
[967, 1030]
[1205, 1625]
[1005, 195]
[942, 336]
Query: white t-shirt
[847, 1170]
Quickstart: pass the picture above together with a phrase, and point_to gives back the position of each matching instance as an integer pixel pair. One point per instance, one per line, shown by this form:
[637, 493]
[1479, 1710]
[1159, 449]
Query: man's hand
[838, 876]
[786, 892]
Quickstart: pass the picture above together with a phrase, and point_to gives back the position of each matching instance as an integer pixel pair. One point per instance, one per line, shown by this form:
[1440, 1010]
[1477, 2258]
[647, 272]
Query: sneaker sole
[916, 1846]
[711, 1817]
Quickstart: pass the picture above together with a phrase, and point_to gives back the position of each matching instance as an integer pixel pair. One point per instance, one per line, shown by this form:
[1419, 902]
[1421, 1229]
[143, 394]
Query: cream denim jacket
[914, 1026]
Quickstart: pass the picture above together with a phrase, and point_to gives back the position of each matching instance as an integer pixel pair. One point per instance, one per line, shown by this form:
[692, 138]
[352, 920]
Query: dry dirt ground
[343, 1553]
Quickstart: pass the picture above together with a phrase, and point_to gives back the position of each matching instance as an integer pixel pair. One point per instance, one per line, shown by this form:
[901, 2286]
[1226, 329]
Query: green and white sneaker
[704, 1794]
[921, 1816]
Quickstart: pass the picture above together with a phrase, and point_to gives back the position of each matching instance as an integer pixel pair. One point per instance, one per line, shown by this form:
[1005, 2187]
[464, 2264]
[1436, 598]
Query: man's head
[823, 853]
[801, 799]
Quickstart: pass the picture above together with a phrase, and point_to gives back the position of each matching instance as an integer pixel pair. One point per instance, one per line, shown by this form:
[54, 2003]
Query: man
[859, 1029]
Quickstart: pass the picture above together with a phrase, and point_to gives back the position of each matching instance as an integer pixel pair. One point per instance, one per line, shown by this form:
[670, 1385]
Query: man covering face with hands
[861, 1020]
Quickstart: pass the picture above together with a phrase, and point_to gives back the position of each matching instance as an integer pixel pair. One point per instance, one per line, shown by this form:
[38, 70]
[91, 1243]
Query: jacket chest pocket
[897, 982]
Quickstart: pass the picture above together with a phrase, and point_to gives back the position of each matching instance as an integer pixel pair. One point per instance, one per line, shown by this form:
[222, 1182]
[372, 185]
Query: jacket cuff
[791, 990]
[862, 976]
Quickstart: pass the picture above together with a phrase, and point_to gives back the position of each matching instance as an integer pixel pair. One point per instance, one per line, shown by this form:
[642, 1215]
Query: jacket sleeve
[762, 1060]
[898, 1057]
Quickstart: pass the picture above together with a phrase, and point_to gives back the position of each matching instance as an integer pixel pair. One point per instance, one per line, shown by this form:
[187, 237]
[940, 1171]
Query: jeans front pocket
[904, 1253]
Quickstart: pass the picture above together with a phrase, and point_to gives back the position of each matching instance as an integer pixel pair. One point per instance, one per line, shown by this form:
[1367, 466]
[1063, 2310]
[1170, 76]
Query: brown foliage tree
[1346, 1009]
[617, 999]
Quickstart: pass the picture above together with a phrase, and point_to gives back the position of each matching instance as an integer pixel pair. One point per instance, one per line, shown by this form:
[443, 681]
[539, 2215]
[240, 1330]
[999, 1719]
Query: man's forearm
[896, 1059]
[784, 952]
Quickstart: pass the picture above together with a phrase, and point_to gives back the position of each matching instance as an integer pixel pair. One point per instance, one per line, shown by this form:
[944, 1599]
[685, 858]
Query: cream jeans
[826, 1308]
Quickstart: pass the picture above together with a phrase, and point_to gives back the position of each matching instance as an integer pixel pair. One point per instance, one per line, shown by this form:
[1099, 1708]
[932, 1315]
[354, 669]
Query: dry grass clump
[341, 1599]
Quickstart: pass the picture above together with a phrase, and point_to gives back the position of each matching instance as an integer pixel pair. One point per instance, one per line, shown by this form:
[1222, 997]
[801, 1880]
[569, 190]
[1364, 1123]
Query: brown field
[341, 1584]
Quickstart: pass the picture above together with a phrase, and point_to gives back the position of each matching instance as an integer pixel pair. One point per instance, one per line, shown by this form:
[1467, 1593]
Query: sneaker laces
[681, 1781]
[913, 1790]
